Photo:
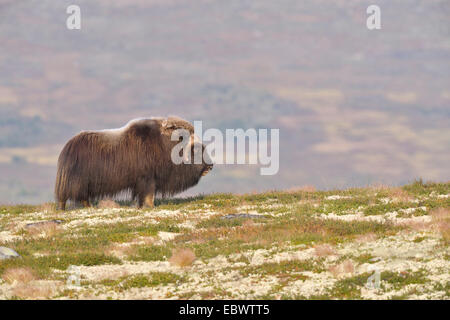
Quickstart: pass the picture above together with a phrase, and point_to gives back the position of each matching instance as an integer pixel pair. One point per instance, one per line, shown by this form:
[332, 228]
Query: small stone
[40, 223]
[375, 259]
[243, 215]
[8, 253]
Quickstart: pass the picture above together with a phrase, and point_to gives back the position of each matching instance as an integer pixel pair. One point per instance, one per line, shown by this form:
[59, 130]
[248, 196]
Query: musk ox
[134, 158]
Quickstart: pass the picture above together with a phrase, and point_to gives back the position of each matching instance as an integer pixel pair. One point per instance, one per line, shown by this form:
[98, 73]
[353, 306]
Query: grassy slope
[307, 244]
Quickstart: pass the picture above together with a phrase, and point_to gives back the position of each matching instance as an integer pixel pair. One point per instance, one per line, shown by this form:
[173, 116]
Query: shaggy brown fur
[135, 158]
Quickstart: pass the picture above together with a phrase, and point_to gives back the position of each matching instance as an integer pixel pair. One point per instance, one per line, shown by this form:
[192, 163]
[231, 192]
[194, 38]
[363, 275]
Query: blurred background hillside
[354, 106]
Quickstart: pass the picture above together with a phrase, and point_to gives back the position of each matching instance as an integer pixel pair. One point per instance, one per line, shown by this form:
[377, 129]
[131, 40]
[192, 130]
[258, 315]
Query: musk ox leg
[62, 205]
[149, 201]
[147, 195]
[85, 203]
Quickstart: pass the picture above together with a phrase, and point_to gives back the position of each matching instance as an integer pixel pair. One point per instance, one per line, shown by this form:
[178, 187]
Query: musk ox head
[188, 173]
[136, 158]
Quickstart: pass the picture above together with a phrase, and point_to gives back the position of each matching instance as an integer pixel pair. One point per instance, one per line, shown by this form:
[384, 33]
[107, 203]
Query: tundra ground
[297, 244]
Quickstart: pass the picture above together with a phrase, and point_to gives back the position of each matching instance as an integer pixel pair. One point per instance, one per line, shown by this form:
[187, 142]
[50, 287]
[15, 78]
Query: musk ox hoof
[147, 206]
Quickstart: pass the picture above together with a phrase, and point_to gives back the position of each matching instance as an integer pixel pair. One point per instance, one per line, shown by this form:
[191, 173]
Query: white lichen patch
[8, 236]
[391, 217]
[127, 253]
[337, 197]
[167, 236]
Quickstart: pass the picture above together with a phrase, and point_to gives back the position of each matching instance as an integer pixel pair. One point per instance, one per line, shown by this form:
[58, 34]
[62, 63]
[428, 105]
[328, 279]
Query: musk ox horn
[135, 158]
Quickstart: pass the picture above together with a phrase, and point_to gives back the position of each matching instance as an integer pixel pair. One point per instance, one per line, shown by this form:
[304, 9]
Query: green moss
[380, 209]
[151, 280]
[18, 209]
[443, 287]
[343, 206]
[361, 259]
[285, 269]
[419, 239]
[419, 187]
[294, 220]
[151, 253]
[349, 288]
[220, 222]
[399, 280]
[296, 228]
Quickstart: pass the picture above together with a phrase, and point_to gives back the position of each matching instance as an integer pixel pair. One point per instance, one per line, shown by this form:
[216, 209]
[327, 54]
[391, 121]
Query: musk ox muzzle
[135, 158]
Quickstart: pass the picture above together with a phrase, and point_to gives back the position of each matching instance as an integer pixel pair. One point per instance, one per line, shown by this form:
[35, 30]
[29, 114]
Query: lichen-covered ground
[298, 244]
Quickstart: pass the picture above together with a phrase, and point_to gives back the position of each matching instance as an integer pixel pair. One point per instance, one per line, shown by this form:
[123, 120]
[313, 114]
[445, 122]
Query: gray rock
[376, 259]
[40, 223]
[8, 253]
[243, 215]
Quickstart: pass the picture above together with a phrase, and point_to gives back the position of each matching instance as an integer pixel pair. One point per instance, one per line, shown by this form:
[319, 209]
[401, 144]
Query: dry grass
[121, 251]
[441, 222]
[108, 204]
[34, 290]
[303, 229]
[379, 187]
[146, 240]
[182, 257]
[305, 188]
[152, 254]
[396, 193]
[48, 207]
[368, 237]
[245, 233]
[12, 226]
[399, 195]
[126, 249]
[18, 275]
[344, 268]
[324, 250]
[43, 230]
[248, 223]
[418, 225]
